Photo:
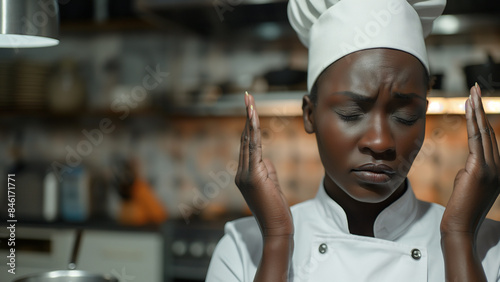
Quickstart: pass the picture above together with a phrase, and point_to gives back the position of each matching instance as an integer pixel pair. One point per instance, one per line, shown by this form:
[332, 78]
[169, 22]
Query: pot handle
[74, 251]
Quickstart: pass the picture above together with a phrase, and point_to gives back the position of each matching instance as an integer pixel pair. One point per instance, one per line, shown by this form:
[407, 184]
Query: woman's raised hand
[475, 190]
[477, 185]
[257, 180]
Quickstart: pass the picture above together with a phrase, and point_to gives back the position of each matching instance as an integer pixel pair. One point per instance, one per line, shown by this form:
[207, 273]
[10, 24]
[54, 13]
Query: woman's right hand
[257, 180]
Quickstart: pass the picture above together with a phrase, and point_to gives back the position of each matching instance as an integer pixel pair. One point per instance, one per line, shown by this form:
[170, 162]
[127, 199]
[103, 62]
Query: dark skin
[377, 126]
[369, 119]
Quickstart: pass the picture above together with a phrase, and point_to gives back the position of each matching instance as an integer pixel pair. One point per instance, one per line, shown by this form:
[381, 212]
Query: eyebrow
[407, 96]
[362, 98]
[355, 96]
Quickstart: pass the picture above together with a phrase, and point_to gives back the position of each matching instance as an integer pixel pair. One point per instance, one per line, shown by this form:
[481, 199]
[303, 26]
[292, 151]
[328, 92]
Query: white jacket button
[416, 254]
[322, 248]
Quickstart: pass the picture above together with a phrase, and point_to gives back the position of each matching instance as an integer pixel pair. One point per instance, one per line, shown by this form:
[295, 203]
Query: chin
[371, 194]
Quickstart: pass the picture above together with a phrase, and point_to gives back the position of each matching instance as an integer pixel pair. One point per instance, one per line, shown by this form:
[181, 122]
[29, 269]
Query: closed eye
[349, 113]
[407, 118]
[349, 117]
[406, 121]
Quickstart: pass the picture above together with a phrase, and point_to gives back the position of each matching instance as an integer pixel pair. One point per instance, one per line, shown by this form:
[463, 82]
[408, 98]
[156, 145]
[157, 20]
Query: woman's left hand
[478, 184]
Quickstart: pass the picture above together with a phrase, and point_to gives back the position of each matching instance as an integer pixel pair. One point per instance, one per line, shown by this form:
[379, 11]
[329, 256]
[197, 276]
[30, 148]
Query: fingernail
[251, 111]
[246, 93]
[471, 101]
[478, 89]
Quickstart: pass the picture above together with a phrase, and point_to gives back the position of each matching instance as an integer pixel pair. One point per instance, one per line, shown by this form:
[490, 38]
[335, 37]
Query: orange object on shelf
[143, 207]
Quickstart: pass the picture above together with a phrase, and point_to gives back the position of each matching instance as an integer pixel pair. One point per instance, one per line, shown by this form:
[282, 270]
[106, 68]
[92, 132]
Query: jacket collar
[391, 223]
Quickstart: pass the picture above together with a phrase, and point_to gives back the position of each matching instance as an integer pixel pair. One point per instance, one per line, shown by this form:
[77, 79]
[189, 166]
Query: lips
[374, 173]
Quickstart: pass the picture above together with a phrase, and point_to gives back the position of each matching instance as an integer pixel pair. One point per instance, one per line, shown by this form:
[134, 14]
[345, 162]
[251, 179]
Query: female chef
[368, 81]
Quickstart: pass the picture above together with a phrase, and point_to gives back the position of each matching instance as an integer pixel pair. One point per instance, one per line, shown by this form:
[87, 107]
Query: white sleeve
[238, 253]
[488, 248]
[226, 263]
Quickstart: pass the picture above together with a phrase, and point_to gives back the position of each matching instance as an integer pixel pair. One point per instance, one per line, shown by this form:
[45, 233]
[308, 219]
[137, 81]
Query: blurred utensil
[286, 77]
[437, 81]
[487, 75]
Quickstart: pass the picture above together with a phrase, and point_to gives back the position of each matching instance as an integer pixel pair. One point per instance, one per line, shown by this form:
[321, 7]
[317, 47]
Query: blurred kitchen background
[129, 129]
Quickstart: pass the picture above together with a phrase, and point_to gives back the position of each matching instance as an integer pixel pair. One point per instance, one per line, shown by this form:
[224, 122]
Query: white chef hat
[332, 29]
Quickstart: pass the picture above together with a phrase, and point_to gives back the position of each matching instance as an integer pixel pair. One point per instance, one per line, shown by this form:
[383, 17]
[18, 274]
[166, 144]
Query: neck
[361, 216]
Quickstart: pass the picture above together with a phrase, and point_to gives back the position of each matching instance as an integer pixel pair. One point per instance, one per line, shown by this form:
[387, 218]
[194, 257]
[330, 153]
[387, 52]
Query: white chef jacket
[406, 246]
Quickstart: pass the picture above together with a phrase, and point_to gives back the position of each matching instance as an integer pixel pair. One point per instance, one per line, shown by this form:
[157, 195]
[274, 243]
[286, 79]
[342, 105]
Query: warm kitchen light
[456, 105]
[436, 105]
[492, 105]
[28, 23]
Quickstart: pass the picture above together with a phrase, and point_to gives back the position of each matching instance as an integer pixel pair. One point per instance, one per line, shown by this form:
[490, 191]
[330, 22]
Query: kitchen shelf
[272, 104]
[88, 225]
[287, 103]
[112, 25]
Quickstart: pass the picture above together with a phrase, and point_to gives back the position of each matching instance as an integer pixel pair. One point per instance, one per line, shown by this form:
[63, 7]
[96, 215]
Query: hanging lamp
[29, 23]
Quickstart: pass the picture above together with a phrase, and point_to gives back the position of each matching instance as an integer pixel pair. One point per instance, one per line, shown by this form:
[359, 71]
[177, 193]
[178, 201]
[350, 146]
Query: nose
[378, 139]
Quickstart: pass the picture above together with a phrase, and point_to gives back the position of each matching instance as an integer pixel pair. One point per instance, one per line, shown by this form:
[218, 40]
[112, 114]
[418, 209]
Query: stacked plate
[30, 85]
[7, 86]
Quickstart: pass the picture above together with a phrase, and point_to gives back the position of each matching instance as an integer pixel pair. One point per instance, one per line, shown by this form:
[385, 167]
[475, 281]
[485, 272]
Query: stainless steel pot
[66, 276]
[71, 275]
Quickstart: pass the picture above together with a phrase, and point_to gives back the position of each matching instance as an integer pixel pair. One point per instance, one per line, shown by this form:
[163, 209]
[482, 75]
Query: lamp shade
[28, 23]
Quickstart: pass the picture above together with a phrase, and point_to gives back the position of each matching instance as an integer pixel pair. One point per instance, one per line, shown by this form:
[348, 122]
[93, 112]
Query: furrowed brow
[408, 96]
[355, 96]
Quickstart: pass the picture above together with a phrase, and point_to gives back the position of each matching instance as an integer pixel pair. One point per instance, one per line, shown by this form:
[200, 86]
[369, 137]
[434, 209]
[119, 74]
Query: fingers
[255, 145]
[483, 125]
[245, 142]
[473, 134]
[250, 142]
[482, 140]
[243, 159]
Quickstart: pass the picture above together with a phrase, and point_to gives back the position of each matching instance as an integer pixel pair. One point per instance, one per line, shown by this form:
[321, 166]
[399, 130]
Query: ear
[308, 114]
